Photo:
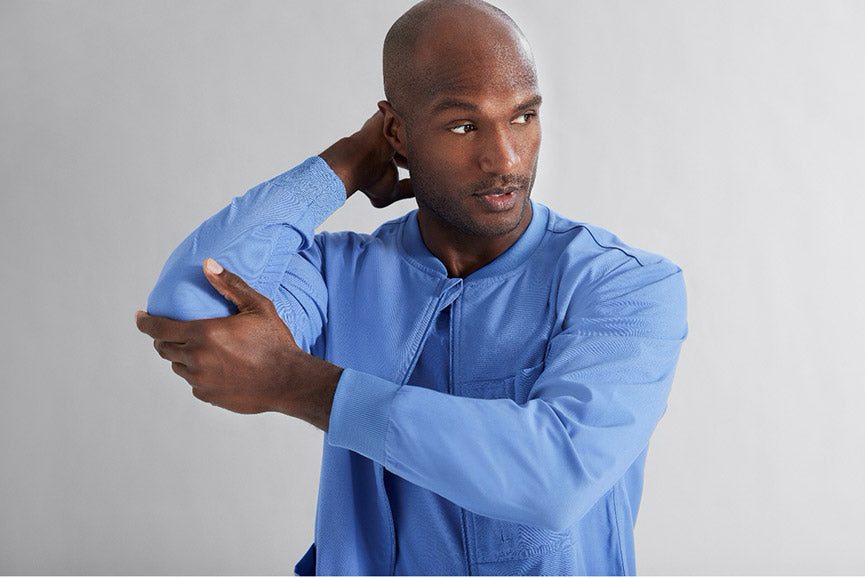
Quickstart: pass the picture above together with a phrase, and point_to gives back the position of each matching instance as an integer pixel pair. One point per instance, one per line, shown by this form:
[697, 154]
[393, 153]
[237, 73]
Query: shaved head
[461, 109]
[421, 45]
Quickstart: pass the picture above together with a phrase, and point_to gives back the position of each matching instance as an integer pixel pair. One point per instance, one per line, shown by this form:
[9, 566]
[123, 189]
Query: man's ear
[394, 128]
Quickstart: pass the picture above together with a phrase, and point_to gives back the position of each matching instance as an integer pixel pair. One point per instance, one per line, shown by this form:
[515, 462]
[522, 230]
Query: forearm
[544, 463]
[309, 391]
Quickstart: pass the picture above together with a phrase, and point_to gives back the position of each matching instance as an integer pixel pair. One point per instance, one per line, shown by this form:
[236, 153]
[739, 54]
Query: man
[487, 372]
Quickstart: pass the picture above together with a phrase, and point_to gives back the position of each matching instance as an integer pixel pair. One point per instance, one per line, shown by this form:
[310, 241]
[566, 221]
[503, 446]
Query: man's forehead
[471, 93]
[449, 69]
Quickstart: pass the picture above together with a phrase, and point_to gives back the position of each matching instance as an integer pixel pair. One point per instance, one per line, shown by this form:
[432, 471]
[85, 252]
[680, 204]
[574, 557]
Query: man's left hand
[247, 362]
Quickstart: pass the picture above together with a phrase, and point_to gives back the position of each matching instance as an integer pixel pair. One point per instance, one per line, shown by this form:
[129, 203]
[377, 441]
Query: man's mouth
[498, 192]
[499, 199]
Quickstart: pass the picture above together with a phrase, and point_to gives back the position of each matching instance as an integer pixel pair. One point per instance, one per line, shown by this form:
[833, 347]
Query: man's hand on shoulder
[366, 162]
[247, 362]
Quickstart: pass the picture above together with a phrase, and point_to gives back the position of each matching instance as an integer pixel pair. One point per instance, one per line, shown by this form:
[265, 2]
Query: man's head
[462, 108]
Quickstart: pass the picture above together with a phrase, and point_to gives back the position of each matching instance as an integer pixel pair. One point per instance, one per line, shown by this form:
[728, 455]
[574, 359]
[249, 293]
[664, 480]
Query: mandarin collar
[417, 253]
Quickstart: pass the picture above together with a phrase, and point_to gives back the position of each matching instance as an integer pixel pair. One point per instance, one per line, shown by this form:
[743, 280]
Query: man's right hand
[366, 162]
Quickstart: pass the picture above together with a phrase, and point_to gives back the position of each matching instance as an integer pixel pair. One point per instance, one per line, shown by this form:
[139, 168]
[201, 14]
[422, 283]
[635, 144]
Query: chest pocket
[500, 541]
[497, 540]
[516, 387]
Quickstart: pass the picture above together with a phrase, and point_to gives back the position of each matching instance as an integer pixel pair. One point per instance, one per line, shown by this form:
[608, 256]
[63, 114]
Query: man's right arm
[255, 236]
[259, 233]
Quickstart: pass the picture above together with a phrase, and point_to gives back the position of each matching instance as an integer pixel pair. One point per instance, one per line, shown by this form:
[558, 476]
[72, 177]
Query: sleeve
[590, 412]
[267, 237]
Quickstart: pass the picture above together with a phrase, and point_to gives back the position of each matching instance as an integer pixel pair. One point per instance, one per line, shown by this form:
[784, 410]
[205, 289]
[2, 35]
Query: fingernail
[213, 266]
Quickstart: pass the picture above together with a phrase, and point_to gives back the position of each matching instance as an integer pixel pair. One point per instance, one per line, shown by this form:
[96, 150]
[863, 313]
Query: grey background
[725, 135]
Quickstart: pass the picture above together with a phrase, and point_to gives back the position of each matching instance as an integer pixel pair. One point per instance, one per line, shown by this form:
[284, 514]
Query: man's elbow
[558, 513]
[558, 501]
[554, 507]
[187, 296]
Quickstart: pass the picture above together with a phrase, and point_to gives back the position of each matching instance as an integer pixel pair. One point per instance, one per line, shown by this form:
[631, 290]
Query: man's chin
[504, 222]
[471, 218]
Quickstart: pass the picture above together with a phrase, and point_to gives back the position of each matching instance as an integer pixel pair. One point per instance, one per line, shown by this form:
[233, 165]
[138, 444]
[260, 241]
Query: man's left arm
[546, 462]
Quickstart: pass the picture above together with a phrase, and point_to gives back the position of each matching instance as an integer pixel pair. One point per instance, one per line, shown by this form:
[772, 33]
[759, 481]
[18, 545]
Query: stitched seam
[598, 243]
[391, 529]
[618, 532]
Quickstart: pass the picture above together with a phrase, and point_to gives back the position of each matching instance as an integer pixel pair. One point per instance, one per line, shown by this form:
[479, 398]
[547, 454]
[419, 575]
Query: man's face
[473, 135]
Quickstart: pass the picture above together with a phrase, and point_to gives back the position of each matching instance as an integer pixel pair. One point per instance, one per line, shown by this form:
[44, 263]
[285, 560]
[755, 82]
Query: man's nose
[499, 155]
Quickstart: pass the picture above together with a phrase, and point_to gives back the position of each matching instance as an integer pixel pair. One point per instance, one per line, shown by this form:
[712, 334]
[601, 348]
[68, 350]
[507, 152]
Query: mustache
[500, 184]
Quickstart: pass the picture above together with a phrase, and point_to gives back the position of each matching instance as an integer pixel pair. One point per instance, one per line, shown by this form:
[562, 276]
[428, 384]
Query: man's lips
[497, 192]
[498, 199]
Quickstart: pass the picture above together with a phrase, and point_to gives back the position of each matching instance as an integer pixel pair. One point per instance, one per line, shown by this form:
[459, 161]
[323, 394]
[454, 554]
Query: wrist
[343, 157]
[310, 389]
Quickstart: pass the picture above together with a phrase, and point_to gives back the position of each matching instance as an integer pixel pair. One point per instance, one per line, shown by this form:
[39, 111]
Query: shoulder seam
[595, 239]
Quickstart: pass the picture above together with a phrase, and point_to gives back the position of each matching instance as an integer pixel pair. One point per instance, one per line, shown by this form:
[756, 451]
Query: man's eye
[525, 118]
[463, 128]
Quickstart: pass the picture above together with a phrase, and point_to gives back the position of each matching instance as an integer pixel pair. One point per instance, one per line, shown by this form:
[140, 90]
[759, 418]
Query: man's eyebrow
[533, 102]
[449, 103]
[455, 103]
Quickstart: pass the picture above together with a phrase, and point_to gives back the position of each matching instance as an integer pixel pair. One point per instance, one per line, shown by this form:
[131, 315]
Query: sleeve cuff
[360, 414]
[316, 192]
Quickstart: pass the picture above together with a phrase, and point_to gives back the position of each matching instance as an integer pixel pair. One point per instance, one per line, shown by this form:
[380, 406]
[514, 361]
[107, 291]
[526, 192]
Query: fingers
[374, 123]
[171, 351]
[400, 160]
[200, 395]
[162, 328]
[181, 370]
[231, 286]
[404, 189]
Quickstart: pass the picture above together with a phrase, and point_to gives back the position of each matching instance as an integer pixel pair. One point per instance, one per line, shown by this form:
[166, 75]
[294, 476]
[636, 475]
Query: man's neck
[461, 253]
